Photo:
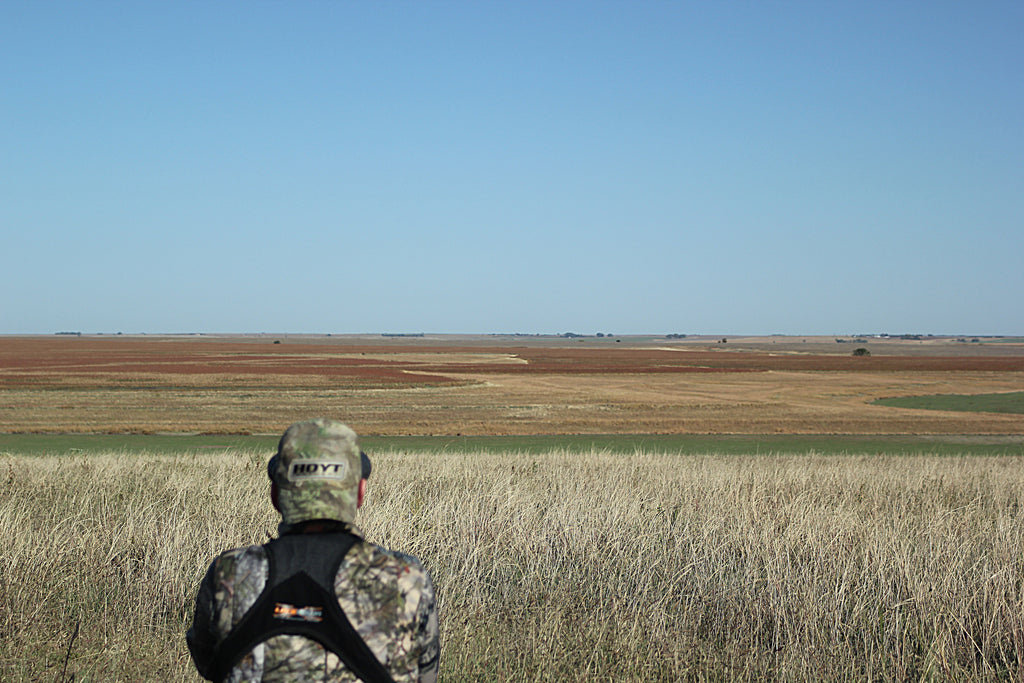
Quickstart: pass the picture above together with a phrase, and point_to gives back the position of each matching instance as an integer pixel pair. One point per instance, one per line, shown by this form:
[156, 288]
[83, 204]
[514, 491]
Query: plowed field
[488, 386]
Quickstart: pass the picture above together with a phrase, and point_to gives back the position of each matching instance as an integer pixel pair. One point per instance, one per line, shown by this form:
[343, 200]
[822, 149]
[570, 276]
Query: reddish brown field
[489, 385]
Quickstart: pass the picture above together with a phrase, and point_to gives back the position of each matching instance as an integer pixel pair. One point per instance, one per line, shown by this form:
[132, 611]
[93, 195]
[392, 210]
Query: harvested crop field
[495, 385]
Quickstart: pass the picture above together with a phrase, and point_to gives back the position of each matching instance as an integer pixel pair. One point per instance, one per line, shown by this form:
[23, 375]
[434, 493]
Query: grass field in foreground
[552, 567]
[823, 444]
[1009, 402]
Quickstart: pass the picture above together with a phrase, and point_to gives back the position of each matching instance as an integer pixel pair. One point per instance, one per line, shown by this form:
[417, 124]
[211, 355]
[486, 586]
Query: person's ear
[273, 496]
[362, 493]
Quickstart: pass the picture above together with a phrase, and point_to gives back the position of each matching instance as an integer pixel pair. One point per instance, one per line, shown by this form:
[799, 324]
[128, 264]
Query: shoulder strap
[299, 599]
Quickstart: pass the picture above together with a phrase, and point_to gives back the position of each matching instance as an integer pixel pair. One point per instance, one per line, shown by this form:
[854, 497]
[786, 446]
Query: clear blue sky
[733, 167]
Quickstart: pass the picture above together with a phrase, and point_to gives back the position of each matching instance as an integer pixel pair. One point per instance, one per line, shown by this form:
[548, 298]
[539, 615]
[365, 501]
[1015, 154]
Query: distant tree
[861, 351]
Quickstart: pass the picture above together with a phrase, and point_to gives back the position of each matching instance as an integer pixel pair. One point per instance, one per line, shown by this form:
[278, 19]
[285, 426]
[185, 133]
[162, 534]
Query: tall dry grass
[555, 567]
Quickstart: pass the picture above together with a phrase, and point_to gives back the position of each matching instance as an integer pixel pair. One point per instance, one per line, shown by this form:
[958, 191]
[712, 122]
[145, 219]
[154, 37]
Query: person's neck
[319, 526]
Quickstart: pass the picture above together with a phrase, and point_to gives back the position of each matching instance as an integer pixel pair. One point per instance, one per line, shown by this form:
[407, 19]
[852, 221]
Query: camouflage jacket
[387, 596]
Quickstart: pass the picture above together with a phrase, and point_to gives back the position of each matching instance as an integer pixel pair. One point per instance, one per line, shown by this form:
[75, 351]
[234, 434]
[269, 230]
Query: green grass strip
[1012, 402]
[71, 444]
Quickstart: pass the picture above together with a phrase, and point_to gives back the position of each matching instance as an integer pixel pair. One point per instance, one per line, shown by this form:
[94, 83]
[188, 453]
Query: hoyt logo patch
[306, 470]
[286, 612]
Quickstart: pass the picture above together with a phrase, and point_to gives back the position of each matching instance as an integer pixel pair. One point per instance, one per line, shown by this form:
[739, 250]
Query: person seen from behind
[318, 603]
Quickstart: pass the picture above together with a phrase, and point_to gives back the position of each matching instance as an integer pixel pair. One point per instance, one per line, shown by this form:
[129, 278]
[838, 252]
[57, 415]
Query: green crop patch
[1012, 402]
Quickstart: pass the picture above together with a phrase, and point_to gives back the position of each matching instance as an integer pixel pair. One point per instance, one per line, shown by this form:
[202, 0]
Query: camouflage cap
[317, 470]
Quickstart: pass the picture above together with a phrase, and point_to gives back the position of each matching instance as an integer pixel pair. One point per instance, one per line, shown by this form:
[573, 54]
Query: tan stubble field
[474, 386]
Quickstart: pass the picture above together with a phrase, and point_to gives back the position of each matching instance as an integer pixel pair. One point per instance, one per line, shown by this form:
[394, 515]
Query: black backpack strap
[299, 599]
